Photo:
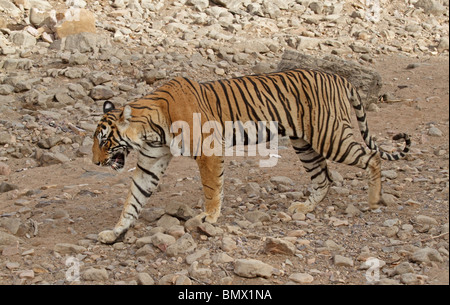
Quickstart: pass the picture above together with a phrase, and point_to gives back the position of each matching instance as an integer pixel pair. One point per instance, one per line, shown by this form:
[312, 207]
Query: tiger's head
[110, 148]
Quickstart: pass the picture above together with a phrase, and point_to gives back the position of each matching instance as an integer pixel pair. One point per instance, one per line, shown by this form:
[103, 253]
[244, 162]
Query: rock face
[366, 80]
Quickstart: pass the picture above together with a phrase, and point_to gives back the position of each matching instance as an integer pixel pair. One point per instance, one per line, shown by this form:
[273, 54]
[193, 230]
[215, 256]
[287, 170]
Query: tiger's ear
[127, 112]
[126, 115]
[108, 106]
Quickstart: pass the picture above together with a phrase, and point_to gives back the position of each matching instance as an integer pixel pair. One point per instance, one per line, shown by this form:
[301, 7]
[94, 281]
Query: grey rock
[85, 42]
[23, 39]
[403, 268]
[6, 187]
[308, 43]
[179, 210]
[6, 89]
[183, 245]
[7, 239]
[390, 174]
[443, 44]
[49, 142]
[423, 219]
[366, 80]
[411, 279]
[281, 180]
[46, 158]
[427, 255]
[231, 5]
[95, 274]
[435, 132]
[271, 9]
[145, 279]
[203, 252]
[78, 59]
[257, 216]
[343, 261]
[99, 78]
[152, 214]
[228, 244]
[279, 246]
[5, 138]
[199, 273]
[17, 64]
[352, 211]
[199, 5]
[251, 268]
[388, 199]
[101, 92]
[167, 221]
[162, 241]
[301, 278]
[430, 7]
[65, 248]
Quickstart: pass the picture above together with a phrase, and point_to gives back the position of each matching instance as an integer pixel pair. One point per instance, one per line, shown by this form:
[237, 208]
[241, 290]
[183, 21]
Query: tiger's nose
[97, 163]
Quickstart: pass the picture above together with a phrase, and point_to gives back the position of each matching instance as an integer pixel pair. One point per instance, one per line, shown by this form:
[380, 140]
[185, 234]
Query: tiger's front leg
[150, 167]
[211, 172]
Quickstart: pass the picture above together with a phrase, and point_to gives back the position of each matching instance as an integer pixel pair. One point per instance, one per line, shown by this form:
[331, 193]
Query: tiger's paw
[301, 207]
[205, 217]
[195, 222]
[107, 237]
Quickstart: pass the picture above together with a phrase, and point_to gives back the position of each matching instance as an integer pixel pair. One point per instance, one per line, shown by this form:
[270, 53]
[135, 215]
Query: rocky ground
[53, 201]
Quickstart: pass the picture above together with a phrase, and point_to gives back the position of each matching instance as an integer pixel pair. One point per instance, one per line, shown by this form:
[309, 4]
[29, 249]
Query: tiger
[313, 108]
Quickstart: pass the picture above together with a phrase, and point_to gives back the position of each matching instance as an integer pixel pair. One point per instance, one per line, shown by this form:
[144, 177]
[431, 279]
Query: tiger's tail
[364, 128]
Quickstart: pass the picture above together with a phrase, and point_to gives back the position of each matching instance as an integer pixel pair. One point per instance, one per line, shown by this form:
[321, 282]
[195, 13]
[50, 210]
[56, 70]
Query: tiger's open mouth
[117, 161]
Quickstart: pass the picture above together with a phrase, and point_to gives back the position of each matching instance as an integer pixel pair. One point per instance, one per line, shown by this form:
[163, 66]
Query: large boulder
[75, 21]
[366, 80]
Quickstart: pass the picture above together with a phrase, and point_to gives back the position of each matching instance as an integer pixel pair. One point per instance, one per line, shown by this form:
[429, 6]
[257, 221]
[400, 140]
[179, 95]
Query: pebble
[426, 255]
[145, 279]
[279, 246]
[167, 221]
[199, 273]
[343, 261]
[228, 244]
[179, 210]
[301, 278]
[162, 241]
[197, 255]
[183, 245]
[257, 216]
[403, 268]
[66, 248]
[423, 219]
[435, 132]
[251, 268]
[95, 274]
[390, 174]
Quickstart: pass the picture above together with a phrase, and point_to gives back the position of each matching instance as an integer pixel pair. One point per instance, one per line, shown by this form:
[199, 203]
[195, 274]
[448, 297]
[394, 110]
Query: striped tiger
[312, 107]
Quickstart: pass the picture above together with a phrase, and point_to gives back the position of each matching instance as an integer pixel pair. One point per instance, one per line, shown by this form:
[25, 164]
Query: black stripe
[143, 192]
[146, 171]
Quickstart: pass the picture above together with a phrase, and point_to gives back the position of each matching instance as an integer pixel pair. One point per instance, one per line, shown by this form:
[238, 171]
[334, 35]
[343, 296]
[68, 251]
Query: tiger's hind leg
[356, 154]
[316, 166]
